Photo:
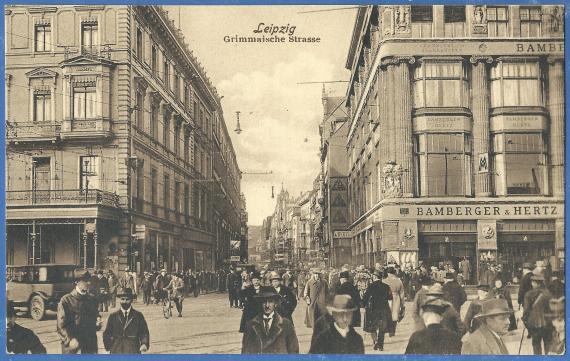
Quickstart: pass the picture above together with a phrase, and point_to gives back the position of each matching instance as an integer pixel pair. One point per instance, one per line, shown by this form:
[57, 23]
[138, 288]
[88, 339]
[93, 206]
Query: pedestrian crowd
[334, 299]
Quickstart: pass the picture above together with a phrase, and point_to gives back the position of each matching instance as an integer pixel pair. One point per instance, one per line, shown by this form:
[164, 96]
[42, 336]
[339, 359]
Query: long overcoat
[483, 342]
[251, 305]
[281, 338]
[434, 339]
[398, 295]
[316, 294]
[330, 341]
[377, 310]
[287, 304]
[126, 336]
[77, 319]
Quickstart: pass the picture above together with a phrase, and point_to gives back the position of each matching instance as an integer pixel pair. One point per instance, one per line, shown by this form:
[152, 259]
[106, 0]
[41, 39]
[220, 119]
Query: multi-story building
[334, 196]
[456, 135]
[116, 143]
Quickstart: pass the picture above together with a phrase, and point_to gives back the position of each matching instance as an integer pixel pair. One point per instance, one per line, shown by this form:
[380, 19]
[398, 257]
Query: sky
[279, 117]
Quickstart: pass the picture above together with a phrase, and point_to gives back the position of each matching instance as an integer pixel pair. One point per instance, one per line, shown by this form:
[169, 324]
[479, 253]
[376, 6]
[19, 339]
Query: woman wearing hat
[556, 314]
[251, 305]
[340, 338]
[535, 306]
[377, 316]
[494, 323]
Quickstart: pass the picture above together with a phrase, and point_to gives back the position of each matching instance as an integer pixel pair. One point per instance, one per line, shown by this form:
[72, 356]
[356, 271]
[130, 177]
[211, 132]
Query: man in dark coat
[251, 304]
[20, 340]
[103, 285]
[234, 285]
[78, 319]
[534, 316]
[340, 338]
[268, 332]
[471, 323]
[434, 339]
[160, 283]
[378, 315]
[525, 283]
[450, 318]
[127, 330]
[146, 287]
[453, 292]
[316, 292]
[288, 301]
[344, 287]
[501, 291]
[113, 283]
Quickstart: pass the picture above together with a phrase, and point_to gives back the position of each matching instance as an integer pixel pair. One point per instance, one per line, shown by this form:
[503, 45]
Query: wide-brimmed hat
[342, 303]
[344, 274]
[255, 274]
[426, 281]
[435, 304]
[81, 275]
[274, 276]
[555, 308]
[494, 307]
[125, 292]
[435, 290]
[267, 292]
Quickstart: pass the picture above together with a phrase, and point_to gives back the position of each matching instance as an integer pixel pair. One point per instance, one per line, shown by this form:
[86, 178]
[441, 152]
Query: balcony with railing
[17, 132]
[62, 197]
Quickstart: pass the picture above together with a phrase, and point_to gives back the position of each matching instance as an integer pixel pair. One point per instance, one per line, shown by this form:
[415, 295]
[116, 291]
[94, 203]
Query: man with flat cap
[434, 338]
[127, 330]
[268, 332]
[494, 323]
[78, 318]
[288, 299]
[20, 340]
[341, 338]
[316, 292]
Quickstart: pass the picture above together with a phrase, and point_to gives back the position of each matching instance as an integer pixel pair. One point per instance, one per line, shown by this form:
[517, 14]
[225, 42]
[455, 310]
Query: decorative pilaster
[84, 240]
[556, 109]
[481, 125]
[96, 250]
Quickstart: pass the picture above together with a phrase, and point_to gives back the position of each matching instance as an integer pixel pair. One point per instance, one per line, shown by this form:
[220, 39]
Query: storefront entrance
[458, 250]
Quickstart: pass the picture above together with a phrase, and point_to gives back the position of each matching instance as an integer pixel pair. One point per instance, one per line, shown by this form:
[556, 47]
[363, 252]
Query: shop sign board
[475, 211]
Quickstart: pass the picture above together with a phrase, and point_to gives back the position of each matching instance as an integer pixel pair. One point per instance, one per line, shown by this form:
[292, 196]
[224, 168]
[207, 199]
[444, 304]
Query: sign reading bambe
[509, 211]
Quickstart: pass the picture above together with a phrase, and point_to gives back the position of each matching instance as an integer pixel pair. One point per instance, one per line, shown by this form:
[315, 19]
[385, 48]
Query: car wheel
[37, 308]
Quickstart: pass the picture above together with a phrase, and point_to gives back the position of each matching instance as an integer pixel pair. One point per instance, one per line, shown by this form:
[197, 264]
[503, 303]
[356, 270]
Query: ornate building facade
[456, 140]
[117, 150]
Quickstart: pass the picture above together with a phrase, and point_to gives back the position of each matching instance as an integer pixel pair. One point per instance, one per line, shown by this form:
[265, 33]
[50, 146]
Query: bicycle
[167, 305]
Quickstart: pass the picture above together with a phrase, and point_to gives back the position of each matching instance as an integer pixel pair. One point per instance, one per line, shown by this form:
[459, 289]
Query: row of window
[43, 37]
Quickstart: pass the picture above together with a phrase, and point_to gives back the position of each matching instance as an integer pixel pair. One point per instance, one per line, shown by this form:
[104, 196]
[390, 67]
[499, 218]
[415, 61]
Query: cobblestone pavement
[208, 325]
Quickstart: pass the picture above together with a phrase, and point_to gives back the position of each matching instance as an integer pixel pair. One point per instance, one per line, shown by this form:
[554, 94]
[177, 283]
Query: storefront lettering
[539, 47]
[542, 210]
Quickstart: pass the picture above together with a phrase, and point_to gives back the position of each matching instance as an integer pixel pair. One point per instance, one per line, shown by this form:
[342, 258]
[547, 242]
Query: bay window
[519, 164]
[440, 84]
[516, 83]
[85, 102]
[443, 163]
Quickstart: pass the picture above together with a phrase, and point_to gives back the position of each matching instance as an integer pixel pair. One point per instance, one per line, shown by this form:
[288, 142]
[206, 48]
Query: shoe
[179, 315]
[375, 347]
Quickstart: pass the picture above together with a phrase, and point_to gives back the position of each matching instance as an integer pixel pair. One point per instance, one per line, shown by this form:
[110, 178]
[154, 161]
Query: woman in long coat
[251, 305]
[315, 294]
[377, 316]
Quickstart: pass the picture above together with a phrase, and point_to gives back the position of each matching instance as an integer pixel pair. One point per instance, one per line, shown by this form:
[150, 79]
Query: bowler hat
[274, 276]
[527, 265]
[342, 303]
[344, 274]
[81, 275]
[125, 292]
[494, 307]
[483, 286]
[267, 292]
[436, 305]
[555, 308]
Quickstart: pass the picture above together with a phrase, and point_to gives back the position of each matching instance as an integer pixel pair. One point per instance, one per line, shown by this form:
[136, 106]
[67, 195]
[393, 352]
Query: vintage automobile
[39, 287]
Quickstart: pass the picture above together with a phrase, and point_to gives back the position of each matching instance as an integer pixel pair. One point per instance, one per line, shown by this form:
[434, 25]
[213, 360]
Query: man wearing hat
[20, 340]
[316, 292]
[146, 287]
[103, 285]
[113, 283]
[251, 305]
[534, 315]
[426, 282]
[450, 318]
[471, 323]
[234, 284]
[341, 338]
[494, 323]
[453, 292]
[127, 330]
[556, 313]
[161, 281]
[176, 285]
[525, 283]
[268, 332]
[344, 287]
[434, 338]
[377, 316]
[397, 306]
[288, 300]
[78, 318]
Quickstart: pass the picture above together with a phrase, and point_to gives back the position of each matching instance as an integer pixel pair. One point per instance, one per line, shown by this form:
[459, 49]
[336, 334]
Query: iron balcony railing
[69, 196]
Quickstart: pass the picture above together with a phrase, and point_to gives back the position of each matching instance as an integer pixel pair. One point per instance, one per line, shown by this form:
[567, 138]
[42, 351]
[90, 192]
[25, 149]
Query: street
[209, 326]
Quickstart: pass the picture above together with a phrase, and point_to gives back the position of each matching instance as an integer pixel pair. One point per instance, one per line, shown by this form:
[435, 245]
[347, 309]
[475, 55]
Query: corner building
[117, 150]
[456, 140]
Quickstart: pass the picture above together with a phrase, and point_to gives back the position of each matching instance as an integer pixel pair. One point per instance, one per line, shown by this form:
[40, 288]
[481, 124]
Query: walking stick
[522, 338]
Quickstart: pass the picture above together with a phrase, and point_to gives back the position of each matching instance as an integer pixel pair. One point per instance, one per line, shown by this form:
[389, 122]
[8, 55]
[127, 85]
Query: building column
[481, 125]
[95, 250]
[556, 109]
[84, 239]
[34, 239]
[402, 124]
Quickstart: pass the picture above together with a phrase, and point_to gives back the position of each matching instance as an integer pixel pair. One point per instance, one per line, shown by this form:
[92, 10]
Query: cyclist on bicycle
[176, 285]
[162, 280]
